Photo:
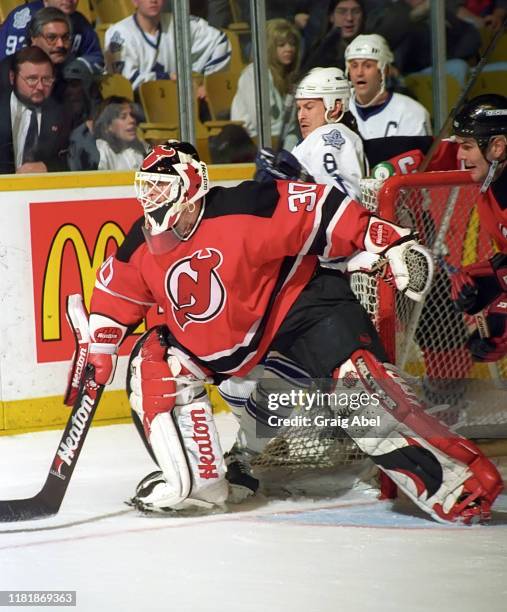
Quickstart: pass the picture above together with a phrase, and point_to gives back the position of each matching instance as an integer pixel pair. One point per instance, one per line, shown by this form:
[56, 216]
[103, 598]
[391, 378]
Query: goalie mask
[328, 85]
[171, 180]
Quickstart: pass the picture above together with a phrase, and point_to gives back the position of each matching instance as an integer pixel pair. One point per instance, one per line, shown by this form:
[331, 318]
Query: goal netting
[426, 340]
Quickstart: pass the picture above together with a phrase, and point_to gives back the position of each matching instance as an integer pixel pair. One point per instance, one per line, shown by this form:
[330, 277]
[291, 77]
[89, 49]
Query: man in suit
[33, 130]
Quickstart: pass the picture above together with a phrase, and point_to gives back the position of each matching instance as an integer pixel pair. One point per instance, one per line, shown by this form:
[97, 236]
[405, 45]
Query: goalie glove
[97, 341]
[493, 347]
[476, 286]
[282, 165]
[407, 264]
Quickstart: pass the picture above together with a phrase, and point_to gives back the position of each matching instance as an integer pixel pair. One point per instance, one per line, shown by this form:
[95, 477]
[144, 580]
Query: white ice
[349, 553]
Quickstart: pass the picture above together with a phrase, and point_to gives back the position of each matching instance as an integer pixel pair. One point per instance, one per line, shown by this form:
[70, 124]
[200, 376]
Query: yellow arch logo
[88, 265]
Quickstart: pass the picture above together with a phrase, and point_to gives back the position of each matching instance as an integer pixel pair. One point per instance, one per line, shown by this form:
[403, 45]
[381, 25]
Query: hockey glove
[476, 286]
[282, 165]
[410, 264]
[493, 347]
[97, 341]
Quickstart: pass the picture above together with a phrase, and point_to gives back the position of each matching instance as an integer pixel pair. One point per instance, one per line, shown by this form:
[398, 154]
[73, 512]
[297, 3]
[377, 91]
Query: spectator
[283, 42]
[346, 20]
[141, 47]
[85, 43]
[50, 30]
[483, 13]
[405, 24]
[33, 130]
[378, 112]
[115, 129]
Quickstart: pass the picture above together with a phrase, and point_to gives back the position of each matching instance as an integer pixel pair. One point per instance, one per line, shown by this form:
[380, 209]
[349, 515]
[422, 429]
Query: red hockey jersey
[492, 207]
[228, 288]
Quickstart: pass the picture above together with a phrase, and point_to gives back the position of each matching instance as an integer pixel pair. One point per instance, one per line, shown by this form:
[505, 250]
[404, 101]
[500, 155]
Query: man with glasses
[33, 129]
[51, 31]
[84, 43]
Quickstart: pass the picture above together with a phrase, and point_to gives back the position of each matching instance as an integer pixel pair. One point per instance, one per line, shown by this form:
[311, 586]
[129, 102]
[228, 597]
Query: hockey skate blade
[198, 508]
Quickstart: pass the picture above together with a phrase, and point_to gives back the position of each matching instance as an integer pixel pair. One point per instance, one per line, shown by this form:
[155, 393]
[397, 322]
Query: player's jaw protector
[171, 180]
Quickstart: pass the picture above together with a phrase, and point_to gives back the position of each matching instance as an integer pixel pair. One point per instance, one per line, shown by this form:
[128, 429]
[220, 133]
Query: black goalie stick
[48, 500]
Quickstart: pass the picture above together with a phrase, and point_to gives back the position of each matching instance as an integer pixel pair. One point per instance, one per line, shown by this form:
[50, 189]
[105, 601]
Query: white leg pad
[204, 454]
[166, 444]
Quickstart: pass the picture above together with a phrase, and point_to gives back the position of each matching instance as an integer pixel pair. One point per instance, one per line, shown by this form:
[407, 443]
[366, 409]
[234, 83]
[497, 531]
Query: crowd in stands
[54, 63]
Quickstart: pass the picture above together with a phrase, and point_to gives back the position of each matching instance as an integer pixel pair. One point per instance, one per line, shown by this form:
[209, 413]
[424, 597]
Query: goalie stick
[48, 500]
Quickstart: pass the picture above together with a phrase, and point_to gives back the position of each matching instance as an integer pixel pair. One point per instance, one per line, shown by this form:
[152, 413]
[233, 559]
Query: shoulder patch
[117, 40]
[22, 18]
[334, 139]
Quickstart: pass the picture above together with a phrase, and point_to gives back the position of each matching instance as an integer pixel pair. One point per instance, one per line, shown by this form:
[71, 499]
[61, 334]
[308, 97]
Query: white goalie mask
[170, 181]
[373, 47]
[327, 84]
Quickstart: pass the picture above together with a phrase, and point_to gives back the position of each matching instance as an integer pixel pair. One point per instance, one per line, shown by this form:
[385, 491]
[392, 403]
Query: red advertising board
[70, 240]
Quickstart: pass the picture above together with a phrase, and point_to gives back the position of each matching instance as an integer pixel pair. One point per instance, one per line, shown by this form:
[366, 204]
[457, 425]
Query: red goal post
[428, 340]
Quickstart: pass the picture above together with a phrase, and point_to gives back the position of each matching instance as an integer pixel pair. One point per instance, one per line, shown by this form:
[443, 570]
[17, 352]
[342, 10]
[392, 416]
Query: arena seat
[6, 6]
[499, 53]
[116, 85]
[111, 11]
[160, 104]
[220, 90]
[421, 86]
[86, 9]
[100, 29]
[490, 82]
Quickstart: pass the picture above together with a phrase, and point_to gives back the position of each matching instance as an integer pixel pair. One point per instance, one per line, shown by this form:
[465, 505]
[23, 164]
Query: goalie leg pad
[178, 424]
[444, 474]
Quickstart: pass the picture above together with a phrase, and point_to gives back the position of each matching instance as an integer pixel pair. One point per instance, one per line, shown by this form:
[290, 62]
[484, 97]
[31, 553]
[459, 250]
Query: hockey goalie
[235, 271]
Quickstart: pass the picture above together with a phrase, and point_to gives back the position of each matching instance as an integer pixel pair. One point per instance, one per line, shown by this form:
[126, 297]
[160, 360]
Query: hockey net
[426, 340]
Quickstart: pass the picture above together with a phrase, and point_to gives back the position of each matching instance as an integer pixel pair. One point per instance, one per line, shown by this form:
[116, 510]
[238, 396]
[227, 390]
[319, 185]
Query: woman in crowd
[115, 129]
[108, 140]
[283, 47]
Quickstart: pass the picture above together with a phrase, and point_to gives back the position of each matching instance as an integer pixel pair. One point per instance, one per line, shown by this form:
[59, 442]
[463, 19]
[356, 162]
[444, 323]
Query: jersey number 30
[302, 194]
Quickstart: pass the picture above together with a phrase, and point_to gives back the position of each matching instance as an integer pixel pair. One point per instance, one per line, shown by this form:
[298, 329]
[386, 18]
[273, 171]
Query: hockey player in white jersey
[141, 47]
[330, 153]
[378, 112]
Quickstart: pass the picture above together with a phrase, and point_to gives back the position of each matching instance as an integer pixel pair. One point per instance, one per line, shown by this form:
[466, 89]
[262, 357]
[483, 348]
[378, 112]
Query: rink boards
[55, 230]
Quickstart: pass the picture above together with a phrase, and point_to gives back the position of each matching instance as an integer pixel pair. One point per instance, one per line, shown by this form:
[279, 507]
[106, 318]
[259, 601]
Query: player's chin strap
[495, 167]
[444, 474]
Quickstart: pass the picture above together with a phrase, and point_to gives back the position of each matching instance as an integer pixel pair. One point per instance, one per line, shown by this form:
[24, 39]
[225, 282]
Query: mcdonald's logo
[70, 240]
[88, 263]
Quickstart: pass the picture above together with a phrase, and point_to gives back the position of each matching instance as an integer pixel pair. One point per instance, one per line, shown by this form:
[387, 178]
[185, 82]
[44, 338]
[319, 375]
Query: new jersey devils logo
[195, 288]
[158, 153]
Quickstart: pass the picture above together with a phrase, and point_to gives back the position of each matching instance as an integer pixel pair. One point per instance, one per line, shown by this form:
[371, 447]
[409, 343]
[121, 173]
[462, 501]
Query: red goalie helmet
[170, 180]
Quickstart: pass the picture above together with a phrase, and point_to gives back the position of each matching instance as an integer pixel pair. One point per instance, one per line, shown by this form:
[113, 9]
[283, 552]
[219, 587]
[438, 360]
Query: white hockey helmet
[369, 46]
[327, 84]
[171, 179]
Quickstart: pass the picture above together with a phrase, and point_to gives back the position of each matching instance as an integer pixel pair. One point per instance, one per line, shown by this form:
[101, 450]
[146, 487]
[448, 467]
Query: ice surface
[348, 553]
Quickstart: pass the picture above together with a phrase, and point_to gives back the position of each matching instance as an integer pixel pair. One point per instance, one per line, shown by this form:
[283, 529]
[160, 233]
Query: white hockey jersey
[141, 57]
[333, 154]
[243, 108]
[399, 115]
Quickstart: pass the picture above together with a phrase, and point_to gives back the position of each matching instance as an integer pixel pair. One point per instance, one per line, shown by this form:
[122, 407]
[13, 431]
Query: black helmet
[481, 118]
